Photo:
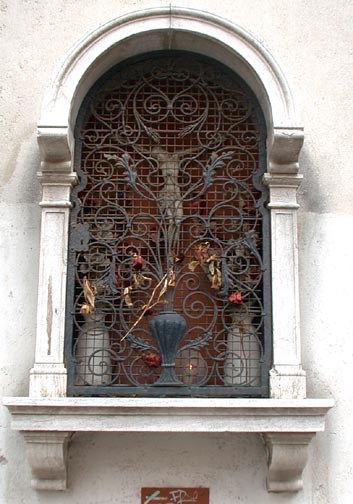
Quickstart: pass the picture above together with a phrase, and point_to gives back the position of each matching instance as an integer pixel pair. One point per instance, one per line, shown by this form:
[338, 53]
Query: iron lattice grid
[170, 152]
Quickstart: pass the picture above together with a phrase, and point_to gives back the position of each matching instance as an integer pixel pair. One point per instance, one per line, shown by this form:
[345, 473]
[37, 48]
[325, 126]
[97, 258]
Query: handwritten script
[174, 495]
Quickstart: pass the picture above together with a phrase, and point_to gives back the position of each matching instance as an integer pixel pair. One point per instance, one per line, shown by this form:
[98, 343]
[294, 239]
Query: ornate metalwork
[169, 216]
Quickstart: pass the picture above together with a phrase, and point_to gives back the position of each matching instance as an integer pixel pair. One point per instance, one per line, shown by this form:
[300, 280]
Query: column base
[287, 382]
[49, 380]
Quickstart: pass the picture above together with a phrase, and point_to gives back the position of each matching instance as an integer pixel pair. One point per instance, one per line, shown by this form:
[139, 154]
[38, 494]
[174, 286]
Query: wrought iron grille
[168, 262]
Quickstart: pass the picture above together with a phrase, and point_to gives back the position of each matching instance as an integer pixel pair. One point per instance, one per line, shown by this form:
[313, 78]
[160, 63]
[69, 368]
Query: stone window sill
[287, 427]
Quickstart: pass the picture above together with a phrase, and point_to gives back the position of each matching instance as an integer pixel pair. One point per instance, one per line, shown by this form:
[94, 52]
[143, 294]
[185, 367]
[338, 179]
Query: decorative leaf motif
[250, 240]
[152, 133]
[187, 130]
[125, 162]
[140, 344]
[216, 162]
[198, 342]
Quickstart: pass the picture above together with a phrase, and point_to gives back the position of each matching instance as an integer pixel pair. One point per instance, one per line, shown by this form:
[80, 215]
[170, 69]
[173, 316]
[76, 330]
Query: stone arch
[161, 29]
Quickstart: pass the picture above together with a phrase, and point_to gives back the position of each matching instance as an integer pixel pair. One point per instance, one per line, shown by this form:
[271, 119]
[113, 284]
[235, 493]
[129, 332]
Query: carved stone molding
[287, 458]
[47, 456]
[55, 148]
[166, 28]
[287, 427]
[284, 146]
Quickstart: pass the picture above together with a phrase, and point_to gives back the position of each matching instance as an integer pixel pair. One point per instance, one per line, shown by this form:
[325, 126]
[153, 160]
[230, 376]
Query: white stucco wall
[312, 41]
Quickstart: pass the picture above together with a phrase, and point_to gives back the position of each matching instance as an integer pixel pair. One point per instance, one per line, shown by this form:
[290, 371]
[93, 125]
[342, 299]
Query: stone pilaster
[287, 378]
[48, 375]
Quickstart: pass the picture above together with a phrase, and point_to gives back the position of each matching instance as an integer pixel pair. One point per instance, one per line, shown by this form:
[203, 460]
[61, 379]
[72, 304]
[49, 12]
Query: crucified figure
[170, 198]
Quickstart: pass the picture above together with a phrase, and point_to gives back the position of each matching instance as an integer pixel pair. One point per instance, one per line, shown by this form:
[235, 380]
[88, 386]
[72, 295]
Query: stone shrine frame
[287, 420]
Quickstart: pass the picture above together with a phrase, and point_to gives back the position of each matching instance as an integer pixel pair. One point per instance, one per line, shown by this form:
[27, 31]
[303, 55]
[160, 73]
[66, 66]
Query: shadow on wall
[19, 183]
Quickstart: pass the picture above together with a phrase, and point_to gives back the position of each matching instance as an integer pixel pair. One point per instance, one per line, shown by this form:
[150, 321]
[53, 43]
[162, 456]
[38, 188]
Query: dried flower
[200, 252]
[171, 278]
[85, 309]
[89, 293]
[162, 285]
[236, 298]
[138, 279]
[209, 262]
[179, 258]
[216, 279]
[193, 265]
[127, 296]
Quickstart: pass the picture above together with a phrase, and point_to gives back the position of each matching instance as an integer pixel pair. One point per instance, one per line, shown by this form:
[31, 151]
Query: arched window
[169, 279]
[169, 191]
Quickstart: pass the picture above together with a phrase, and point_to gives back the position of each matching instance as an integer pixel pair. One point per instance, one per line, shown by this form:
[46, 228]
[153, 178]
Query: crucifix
[170, 197]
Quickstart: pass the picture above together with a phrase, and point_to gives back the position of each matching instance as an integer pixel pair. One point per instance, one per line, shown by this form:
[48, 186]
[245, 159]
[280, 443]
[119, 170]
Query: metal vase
[168, 330]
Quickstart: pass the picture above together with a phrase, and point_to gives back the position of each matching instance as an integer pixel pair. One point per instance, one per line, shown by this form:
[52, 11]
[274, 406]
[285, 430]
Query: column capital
[283, 147]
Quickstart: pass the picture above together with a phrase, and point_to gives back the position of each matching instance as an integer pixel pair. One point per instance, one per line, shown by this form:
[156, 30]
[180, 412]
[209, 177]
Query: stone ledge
[178, 415]
[287, 427]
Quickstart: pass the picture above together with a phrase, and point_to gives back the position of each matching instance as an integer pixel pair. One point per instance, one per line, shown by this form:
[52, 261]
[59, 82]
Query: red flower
[137, 263]
[151, 359]
[236, 298]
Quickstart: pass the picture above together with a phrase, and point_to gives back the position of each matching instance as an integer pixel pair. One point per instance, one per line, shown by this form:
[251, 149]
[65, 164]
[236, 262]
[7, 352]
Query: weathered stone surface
[287, 427]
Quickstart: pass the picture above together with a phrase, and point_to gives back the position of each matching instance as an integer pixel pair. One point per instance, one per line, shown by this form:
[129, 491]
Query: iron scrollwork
[169, 216]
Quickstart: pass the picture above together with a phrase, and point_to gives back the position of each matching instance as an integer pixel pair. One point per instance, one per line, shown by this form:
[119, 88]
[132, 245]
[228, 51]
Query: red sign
[175, 495]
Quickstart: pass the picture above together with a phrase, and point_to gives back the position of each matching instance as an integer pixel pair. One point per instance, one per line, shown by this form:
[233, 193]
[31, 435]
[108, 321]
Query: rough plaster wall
[312, 41]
